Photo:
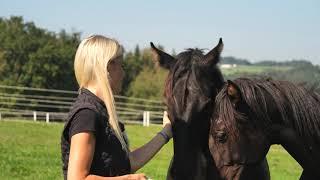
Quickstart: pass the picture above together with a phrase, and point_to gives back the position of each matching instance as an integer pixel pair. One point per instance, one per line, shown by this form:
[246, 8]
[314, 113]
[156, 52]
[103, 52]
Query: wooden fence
[50, 105]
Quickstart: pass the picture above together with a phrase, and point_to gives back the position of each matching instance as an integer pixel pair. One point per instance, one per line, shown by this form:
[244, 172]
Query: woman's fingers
[167, 124]
[140, 176]
[165, 119]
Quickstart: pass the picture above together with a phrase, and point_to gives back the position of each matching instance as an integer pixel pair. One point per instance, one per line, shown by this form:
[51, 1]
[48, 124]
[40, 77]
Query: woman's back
[89, 114]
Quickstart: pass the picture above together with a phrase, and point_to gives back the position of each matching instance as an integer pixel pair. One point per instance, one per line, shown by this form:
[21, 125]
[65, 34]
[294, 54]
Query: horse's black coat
[252, 114]
[194, 80]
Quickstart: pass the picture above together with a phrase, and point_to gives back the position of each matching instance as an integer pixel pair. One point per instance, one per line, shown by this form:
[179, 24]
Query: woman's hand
[135, 177]
[124, 177]
[166, 123]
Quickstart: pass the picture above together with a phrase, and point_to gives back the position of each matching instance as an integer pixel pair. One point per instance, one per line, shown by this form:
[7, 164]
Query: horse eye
[221, 136]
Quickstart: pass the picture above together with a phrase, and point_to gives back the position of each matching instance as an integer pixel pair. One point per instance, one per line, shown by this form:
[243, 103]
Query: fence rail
[48, 105]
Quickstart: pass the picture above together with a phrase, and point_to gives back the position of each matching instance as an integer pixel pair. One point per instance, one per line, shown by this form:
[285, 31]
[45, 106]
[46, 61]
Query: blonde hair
[91, 61]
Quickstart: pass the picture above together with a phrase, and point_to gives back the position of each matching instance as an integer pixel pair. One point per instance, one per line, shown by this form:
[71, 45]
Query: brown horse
[192, 84]
[252, 114]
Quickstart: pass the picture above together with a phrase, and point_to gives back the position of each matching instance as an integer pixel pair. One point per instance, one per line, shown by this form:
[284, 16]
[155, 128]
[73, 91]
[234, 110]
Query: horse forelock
[226, 114]
[182, 65]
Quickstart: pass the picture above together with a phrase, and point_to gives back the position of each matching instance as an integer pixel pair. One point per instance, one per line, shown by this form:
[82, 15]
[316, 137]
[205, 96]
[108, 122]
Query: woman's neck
[95, 90]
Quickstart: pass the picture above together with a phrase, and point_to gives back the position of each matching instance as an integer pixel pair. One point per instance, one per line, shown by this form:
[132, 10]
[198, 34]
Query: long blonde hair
[91, 61]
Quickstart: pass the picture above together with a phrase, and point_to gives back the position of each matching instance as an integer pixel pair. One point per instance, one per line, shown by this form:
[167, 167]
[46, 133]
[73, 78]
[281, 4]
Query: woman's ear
[233, 92]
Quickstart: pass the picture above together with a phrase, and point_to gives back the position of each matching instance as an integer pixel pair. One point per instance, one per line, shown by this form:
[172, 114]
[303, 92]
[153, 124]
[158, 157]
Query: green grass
[282, 165]
[31, 150]
[252, 69]
[157, 167]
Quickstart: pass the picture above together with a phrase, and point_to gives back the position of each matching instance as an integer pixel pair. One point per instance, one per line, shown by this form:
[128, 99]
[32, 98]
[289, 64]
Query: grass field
[31, 150]
[253, 69]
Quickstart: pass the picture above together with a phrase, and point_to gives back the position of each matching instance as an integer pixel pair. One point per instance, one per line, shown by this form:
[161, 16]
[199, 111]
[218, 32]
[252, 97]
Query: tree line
[35, 57]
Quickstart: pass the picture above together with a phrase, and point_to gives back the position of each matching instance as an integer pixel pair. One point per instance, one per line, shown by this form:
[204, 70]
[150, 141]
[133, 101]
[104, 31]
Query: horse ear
[213, 56]
[165, 60]
[234, 92]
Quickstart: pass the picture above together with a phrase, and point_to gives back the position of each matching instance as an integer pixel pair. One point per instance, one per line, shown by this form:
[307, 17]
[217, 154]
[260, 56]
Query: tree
[149, 84]
[32, 56]
[134, 63]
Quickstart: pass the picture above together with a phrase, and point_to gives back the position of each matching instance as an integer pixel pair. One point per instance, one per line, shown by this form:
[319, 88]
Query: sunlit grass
[30, 150]
[253, 69]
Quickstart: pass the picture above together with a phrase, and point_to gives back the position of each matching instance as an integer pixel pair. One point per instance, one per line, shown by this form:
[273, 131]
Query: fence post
[34, 116]
[144, 120]
[148, 118]
[47, 117]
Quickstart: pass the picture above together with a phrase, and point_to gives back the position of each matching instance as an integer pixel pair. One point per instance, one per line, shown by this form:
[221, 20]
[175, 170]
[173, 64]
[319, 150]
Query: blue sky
[264, 30]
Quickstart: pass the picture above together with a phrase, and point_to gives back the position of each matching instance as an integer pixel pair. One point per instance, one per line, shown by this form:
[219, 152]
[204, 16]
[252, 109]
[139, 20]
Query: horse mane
[298, 106]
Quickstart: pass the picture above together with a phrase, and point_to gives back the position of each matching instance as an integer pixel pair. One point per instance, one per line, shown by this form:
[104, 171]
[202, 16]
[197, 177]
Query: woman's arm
[142, 155]
[80, 159]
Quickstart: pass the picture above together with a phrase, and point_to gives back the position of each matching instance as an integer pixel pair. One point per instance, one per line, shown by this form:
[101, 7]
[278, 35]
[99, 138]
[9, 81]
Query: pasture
[253, 69]
[31, 150]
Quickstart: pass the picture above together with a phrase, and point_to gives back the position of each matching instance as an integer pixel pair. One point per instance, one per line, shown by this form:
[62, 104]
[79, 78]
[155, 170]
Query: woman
[92, 144]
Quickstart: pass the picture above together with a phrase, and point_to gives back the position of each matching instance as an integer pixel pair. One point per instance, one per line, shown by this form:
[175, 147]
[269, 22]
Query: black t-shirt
[85, 120]
[89, 114]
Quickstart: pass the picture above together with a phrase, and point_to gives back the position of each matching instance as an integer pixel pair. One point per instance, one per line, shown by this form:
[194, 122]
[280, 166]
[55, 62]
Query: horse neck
[287, 113]
[200, 127]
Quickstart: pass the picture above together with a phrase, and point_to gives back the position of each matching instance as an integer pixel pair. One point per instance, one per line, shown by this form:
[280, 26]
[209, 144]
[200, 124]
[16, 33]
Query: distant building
[227, 66]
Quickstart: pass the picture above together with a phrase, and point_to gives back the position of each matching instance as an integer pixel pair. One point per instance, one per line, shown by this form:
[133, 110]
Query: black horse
[192, 84]
[252, 114]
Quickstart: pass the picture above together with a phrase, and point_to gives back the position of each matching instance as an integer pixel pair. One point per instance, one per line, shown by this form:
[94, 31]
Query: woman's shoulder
[85, 120]
[86, 113]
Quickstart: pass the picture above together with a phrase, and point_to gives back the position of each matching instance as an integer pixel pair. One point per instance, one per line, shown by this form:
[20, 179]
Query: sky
[253, 30]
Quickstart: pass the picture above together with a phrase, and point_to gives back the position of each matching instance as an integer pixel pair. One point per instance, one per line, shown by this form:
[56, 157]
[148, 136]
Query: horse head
[193, 81]
[252, 114]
